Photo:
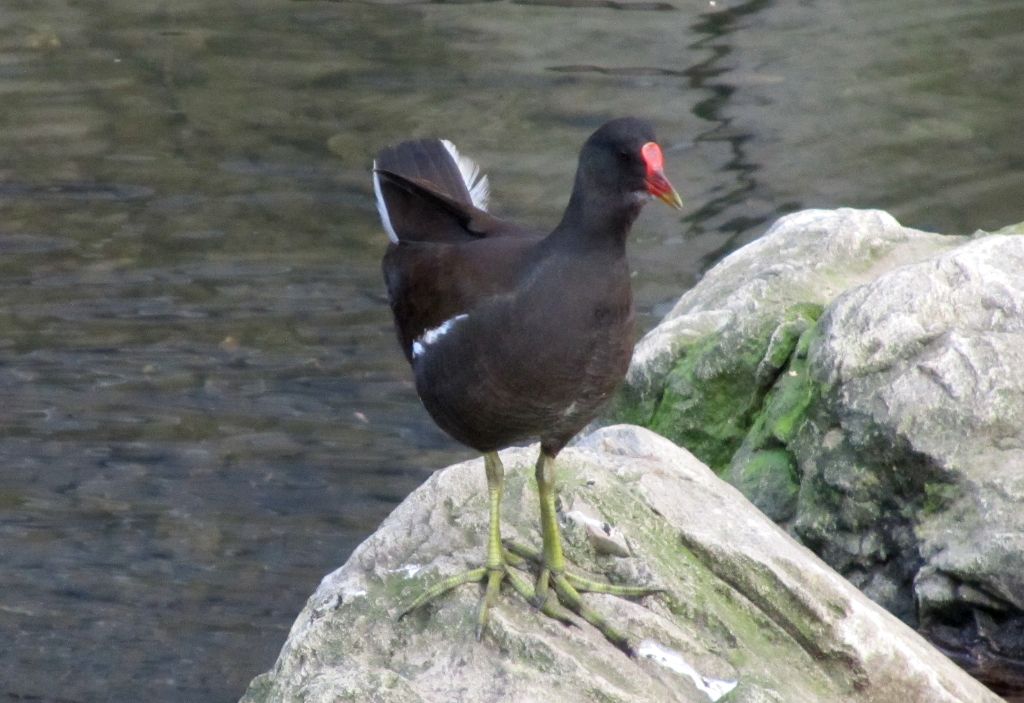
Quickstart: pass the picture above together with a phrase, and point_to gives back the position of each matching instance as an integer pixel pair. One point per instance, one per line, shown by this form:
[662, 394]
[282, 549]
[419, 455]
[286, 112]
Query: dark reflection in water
[203, 408]
[724, 214]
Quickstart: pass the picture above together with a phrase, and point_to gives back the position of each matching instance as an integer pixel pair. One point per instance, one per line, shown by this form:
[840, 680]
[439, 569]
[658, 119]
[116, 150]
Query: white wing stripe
[419, 346]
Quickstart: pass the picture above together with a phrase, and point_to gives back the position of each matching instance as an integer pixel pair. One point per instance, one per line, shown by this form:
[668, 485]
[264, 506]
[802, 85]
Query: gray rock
[913, 455]
[746, 605]
[700, 377]
[885, 430]
[807, 258]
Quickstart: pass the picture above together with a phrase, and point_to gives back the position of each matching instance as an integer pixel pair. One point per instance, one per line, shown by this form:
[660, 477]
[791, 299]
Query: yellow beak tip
[672, 199]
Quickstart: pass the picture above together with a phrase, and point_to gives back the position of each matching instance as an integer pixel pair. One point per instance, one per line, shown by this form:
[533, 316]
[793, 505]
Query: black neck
[595, 220]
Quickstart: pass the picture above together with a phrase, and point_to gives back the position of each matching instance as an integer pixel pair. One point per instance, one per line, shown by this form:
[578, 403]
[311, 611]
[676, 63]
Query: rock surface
[745, 603]
[863, 383]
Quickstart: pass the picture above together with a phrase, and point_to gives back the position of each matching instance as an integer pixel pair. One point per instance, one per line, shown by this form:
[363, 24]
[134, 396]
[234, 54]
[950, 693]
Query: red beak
[657, 184]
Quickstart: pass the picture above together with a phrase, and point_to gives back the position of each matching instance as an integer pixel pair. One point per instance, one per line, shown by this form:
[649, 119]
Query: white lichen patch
[671, 659]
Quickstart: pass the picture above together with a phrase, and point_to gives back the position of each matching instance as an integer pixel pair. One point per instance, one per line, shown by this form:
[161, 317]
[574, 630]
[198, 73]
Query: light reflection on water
[203, 406]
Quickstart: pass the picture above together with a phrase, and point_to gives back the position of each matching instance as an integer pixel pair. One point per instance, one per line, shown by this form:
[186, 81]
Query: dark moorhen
[514, 335]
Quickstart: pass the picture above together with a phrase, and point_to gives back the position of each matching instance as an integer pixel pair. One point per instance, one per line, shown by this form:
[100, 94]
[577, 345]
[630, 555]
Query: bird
[514, 334]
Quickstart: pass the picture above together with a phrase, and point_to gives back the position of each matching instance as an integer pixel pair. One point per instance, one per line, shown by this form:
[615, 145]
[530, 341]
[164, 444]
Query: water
[204, 409]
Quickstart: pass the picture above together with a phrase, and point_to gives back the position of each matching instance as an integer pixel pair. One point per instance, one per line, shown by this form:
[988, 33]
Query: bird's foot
[564, 587]
[580, 583]
[493, 576]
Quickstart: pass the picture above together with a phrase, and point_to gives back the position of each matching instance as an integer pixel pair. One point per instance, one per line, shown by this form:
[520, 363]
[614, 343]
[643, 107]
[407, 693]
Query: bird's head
[622, 161]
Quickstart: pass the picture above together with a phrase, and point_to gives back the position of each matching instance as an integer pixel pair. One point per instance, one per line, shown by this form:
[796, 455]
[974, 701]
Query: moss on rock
[764, 468]
[715, 393]
[709, 400]
[769, 479]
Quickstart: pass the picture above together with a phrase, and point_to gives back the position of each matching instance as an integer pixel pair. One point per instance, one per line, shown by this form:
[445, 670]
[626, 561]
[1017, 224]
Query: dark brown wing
[431, 282]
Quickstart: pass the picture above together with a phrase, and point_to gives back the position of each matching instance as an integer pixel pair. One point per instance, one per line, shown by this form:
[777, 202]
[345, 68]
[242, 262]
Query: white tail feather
[382, 208]
[476, 182]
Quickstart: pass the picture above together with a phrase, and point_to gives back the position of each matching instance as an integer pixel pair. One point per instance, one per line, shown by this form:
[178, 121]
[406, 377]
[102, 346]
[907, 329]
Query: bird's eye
[623, 155]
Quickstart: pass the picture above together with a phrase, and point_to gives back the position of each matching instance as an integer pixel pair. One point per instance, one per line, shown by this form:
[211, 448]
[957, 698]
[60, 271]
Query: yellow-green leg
[496, 568]
[553, 574]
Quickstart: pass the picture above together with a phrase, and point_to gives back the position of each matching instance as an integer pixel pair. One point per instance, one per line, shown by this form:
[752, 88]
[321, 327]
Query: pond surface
[203, 407]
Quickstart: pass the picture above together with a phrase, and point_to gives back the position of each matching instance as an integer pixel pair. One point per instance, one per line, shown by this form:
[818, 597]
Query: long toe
[570, 597]
[442, 587]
